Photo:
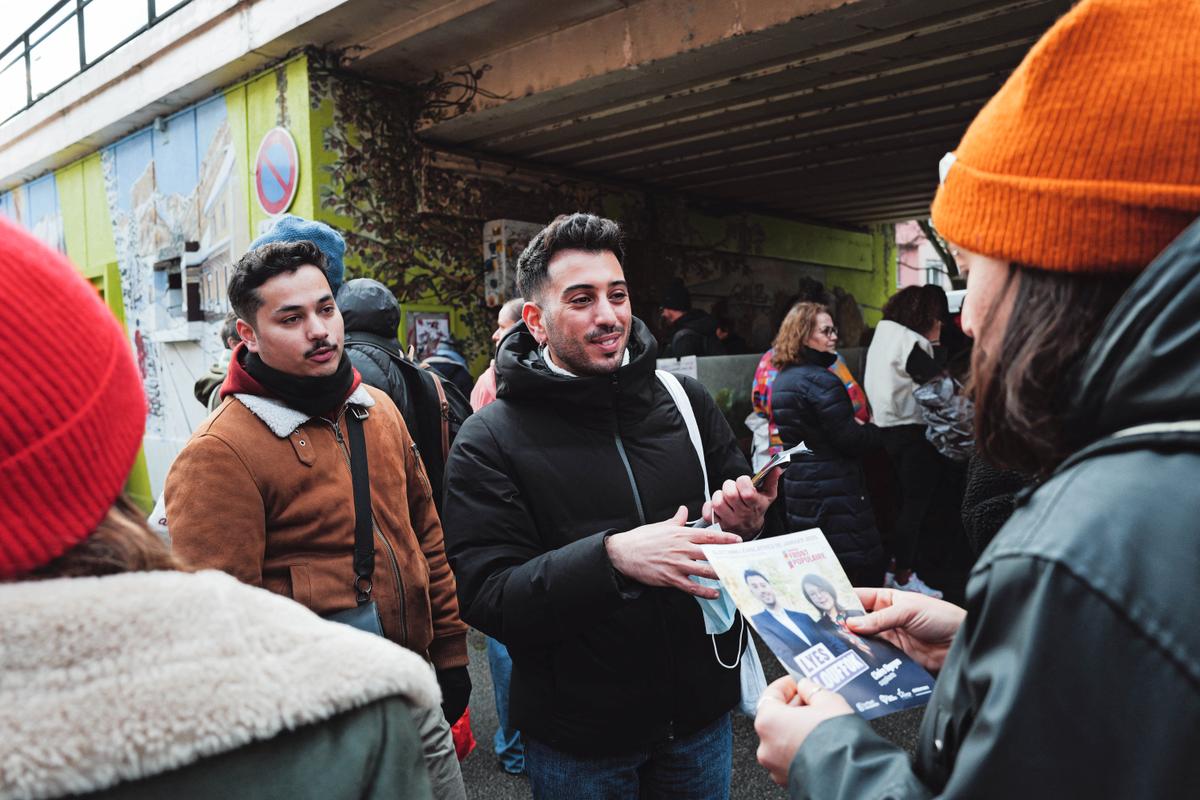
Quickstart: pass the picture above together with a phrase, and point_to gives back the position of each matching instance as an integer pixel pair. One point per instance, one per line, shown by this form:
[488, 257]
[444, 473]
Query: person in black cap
[692, 332]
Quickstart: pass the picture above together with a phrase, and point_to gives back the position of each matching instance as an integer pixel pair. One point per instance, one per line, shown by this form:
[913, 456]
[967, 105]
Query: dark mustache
[316, 348]
[600, 333]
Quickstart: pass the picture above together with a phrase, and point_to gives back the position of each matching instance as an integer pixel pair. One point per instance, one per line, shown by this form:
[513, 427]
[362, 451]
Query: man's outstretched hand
[666, 553]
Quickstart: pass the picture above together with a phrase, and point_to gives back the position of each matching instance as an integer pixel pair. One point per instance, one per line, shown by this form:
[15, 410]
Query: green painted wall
[872, 288]
[88, 236]
[862, 262]
[276, 98]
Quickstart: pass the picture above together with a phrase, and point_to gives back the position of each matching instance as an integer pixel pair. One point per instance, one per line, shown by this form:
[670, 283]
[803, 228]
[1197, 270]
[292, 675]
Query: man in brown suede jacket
[263, 488]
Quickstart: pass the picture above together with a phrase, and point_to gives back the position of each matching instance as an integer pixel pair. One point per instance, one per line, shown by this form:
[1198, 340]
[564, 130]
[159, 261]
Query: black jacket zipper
[641, 513]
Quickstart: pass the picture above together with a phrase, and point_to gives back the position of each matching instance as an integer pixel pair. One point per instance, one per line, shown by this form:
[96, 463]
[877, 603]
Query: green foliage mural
[370, 190]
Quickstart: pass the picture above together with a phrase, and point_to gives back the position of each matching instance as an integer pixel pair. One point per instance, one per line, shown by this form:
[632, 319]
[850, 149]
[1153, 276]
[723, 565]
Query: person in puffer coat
[810, 404]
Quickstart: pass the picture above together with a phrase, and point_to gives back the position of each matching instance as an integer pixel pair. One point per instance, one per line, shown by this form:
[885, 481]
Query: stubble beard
[571, 354]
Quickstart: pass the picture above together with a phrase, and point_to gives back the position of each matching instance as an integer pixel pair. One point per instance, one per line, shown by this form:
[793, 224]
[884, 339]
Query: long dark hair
[1023, 388]
[915, 307]
[122, 542]
[814, 579]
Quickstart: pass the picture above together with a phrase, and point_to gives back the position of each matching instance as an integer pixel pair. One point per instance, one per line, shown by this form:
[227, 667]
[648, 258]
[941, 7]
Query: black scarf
[315, 396]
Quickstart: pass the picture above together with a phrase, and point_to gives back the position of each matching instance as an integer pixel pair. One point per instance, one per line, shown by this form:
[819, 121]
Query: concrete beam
[459, 32]
[600, 53]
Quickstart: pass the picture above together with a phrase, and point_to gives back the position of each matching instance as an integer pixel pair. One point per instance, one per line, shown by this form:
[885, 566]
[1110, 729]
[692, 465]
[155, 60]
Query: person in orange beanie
[122, 673]
[1074, 669]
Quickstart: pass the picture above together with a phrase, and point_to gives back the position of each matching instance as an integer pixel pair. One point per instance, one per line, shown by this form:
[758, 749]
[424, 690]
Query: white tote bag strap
[675, 389]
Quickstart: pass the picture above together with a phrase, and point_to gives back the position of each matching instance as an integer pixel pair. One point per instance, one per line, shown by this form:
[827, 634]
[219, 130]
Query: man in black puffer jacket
[563, 501]
[690, 331]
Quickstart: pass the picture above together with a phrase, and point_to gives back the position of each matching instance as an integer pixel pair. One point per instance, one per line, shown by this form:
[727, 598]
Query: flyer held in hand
[797, 598]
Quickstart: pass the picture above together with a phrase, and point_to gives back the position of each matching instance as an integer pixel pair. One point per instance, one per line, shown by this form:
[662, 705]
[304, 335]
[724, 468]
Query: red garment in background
[464, 739]
[485, 388]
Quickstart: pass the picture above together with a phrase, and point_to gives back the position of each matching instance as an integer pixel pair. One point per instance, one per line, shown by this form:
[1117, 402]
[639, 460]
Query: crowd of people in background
[296, 623]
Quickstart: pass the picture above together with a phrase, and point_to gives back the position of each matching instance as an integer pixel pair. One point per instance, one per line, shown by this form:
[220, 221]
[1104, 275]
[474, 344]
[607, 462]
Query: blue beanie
[290, 228]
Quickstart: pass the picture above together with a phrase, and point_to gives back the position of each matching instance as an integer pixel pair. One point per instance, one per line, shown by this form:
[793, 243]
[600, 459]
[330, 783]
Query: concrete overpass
[826, 110]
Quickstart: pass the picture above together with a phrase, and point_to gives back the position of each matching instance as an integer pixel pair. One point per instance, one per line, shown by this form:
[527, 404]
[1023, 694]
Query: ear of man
[531, 314]
[246, 331]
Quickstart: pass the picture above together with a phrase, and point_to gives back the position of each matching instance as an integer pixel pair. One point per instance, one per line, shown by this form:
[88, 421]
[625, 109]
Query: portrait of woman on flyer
[831, 617]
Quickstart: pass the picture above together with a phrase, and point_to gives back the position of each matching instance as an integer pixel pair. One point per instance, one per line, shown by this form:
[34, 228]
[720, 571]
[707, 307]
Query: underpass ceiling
[839, 116]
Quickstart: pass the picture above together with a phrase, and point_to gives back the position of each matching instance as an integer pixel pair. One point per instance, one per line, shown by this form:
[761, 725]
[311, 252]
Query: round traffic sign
[276, 171]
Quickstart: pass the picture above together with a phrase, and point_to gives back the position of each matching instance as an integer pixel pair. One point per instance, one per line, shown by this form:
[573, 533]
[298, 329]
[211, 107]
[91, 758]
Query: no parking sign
[276, 171]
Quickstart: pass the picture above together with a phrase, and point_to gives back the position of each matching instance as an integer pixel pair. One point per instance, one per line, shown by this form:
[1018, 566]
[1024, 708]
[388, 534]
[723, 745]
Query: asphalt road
[486, 781]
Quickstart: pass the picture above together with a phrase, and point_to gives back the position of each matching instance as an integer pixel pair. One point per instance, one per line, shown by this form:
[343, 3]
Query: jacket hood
[367, 305]
[447, 350]
[699, 321]
[521, 372]
[237, 380]
[1143, 366]
[108, 680]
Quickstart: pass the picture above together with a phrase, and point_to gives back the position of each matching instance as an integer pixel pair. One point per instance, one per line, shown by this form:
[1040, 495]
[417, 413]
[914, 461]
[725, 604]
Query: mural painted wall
[156, 221]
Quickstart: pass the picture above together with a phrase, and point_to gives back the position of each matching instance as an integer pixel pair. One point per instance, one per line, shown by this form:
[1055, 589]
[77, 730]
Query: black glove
[456, 691]
[921, 367]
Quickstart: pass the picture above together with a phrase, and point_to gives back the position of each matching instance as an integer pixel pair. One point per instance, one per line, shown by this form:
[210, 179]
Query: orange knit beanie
[1088, 158]
[72, 402]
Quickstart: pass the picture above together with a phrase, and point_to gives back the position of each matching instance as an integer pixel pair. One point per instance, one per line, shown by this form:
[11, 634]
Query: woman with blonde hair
[810, 404]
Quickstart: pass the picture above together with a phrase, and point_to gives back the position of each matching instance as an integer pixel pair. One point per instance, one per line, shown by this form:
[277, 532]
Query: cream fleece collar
[106, 680]
[283, 420]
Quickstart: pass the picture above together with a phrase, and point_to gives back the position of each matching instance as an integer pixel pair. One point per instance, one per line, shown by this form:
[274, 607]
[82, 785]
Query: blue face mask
[720, 613]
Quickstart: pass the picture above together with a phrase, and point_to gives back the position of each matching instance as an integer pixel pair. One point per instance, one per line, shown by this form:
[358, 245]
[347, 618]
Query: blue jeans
[698, 767]
[507, 741]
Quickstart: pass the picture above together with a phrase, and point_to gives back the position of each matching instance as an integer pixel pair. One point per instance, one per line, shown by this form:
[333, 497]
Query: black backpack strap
[364, 533]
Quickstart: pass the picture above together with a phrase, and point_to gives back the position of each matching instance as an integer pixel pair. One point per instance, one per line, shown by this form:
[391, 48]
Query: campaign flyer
[794, 593]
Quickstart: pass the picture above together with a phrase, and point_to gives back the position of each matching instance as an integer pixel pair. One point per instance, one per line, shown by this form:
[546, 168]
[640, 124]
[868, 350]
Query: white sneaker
[889, 580]
[915, 584]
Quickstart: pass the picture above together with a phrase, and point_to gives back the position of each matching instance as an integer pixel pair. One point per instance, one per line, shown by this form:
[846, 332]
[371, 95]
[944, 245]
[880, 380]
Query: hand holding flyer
[778, 460]
[794, 593]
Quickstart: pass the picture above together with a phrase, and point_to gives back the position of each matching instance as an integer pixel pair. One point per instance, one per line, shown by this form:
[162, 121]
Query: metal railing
[59, 46]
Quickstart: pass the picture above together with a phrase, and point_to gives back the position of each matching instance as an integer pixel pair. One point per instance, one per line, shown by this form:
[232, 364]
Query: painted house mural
[173, 207]
[172, 195]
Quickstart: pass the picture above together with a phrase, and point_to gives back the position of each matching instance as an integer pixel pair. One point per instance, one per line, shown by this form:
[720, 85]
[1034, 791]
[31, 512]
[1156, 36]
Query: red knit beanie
[72, 410]
[1088, 158]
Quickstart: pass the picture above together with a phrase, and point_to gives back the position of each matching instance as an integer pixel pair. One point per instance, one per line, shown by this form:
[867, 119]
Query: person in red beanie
[263, 489]
[1074, 669]
[124, 674]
